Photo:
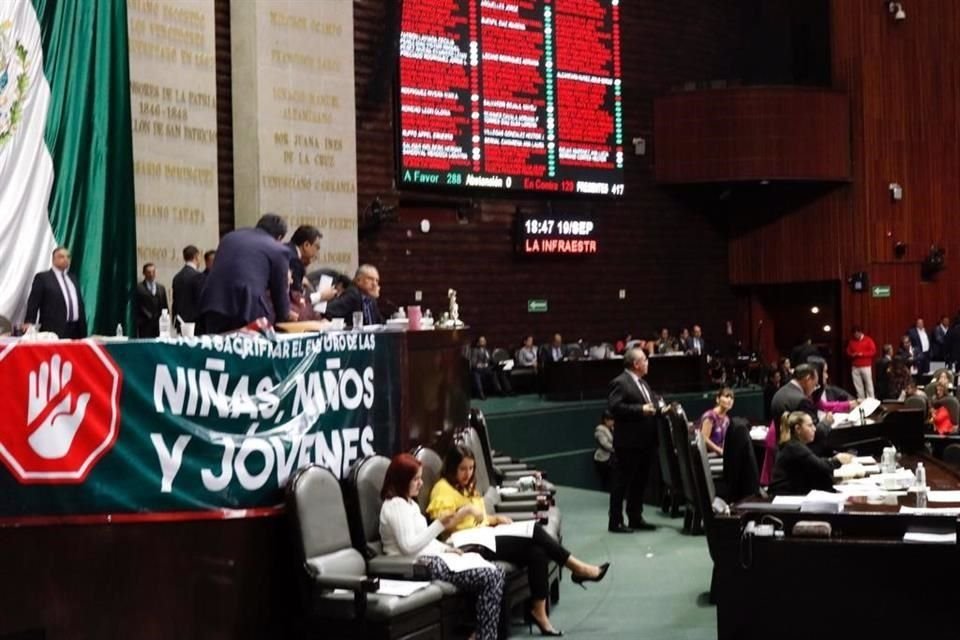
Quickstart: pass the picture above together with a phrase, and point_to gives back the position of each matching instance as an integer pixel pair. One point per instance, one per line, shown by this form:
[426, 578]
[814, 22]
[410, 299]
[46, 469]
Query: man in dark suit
[796, 395]
[695, 344]
[250, 278]
[362, 296]
[921, 345]
[304, 246]
[151, 301]
[208, 258]
[187, 285]
[939, 348]
[635, 409]
[553, 352]
[55, 300]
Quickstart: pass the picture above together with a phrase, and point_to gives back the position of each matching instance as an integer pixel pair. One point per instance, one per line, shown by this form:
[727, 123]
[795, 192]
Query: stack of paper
[401, 588]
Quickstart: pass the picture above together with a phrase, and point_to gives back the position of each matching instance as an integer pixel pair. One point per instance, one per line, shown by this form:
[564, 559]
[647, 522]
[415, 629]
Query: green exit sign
[880, 291]
[537, 306]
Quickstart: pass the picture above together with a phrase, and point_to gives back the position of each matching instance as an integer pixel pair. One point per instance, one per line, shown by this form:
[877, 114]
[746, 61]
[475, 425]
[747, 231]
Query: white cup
[187, 329]
[337, 324]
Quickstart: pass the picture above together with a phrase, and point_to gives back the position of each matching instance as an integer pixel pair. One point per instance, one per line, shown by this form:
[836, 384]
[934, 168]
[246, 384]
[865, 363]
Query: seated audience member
[898, 375]
[599, 352]
[484, 370]
[621, 345]
[555, 351]
[913, 397]
[683, 339]
[940, 416]
[526, 356]
[362, 296]
[714, 422]
[827, 397]
[798, 470]
[717, 372]
[907, 354]
[457, 490]
[603, 456]
[665, 342]
[404, 531]
[940, 376]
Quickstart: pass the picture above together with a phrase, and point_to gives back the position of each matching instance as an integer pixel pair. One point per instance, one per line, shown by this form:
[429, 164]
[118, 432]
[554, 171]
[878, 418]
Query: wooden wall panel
[753, 133]
[901, 77]
[664, 251]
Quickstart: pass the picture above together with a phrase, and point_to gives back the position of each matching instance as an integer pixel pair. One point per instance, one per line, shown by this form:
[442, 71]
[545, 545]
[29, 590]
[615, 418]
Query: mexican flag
[66, 158]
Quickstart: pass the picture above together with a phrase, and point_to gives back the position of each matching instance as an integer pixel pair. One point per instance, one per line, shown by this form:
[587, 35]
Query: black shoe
[581, 579]
[642, 525]
[619, 528]
[544, 632]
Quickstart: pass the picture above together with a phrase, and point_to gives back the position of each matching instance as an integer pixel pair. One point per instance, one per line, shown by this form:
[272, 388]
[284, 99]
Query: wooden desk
[863, 582]
[589, 379]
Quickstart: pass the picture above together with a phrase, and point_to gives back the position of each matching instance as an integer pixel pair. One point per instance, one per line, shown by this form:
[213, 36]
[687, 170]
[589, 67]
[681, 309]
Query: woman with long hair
[714, 422]
[457, 490]
[404, 531]
[798, 470]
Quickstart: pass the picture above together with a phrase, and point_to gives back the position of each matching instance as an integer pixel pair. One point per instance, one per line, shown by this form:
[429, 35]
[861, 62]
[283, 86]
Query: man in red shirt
[862, 350]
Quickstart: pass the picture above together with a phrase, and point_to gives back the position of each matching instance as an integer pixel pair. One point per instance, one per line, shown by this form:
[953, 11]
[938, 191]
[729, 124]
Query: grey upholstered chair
[339, 596]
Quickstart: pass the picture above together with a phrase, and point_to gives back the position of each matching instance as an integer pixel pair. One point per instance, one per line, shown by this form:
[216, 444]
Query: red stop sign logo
[60, 408]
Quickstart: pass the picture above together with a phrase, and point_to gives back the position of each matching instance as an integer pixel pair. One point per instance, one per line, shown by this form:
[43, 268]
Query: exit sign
[880, 291]
[537, 306]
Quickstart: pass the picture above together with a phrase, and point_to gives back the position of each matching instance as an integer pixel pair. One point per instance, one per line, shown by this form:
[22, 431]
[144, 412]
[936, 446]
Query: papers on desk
[936, 538]
[323, 284]
[402, 588]
[865, 460]
[855, 470]
[865, 409]
[931, 511]
[943, 496]
[814, 502]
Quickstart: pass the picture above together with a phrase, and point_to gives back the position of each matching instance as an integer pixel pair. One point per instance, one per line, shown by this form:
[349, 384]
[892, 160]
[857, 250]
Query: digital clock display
[556, 235]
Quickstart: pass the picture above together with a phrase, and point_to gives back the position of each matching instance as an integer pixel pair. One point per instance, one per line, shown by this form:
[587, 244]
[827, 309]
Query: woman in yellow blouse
[457, 488]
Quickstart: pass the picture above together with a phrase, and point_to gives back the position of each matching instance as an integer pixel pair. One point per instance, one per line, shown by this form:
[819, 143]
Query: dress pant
[533, 553]
[863, 381]
[631, 468]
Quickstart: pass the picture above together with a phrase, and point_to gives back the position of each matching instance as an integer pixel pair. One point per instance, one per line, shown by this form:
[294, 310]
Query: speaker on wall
[859, 281]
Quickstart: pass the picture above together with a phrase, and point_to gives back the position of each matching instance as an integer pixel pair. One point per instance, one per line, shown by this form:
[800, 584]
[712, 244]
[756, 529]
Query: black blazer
[148, 307]
[632, 429]
[297, 269]
[47, 305]
[349, 301]
[187, 285]
[799, 471]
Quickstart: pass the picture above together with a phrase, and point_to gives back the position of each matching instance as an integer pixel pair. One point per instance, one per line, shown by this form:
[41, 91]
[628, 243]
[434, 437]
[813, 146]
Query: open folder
[487, 536]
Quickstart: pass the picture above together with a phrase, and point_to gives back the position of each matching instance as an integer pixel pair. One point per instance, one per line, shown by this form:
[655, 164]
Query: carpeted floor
[656, 588]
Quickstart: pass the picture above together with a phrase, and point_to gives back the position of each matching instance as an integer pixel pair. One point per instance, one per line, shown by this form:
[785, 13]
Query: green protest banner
[199, 427]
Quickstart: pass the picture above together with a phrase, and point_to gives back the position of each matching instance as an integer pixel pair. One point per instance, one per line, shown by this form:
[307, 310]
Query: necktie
[644, 390]
[367, 312]
[71, 312]
[153, 288]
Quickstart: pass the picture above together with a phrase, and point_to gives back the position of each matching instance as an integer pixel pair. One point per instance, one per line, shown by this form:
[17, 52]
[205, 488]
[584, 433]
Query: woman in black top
[798, 470]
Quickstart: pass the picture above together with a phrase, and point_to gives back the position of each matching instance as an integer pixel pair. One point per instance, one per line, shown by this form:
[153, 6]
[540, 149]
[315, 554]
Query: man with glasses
[362, 296]
[55, 300]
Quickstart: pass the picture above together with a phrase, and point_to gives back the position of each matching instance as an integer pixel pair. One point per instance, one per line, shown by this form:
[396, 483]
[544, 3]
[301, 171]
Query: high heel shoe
[579, 580]
[543, 632]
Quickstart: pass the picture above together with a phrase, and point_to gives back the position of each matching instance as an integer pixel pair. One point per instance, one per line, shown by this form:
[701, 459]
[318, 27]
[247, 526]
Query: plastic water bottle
[921, 485]
[164, 324]
[119, 333]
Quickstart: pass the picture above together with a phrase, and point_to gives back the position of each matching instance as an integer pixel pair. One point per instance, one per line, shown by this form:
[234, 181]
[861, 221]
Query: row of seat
[337, 527]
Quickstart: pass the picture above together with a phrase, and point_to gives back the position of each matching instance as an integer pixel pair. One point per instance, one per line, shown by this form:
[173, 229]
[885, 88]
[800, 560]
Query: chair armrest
[510, 466]
[519, 505]
[357, 584]
[397, 567]
[520, 496]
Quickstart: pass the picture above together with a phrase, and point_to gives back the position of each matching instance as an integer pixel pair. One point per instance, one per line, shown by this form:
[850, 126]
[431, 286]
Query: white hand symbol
[52, 439]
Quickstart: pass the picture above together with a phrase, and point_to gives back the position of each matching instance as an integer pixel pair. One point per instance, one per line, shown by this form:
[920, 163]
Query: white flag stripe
[26, 169]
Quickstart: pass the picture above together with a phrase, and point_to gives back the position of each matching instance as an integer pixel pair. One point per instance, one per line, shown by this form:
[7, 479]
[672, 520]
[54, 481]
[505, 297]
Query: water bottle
[119, 333]
[921, 486]
[164, 324]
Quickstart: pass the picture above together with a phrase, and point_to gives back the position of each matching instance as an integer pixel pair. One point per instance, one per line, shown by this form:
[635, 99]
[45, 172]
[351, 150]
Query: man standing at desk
[151, 300]
[55, 299]
[250, 264]
[634, 407]
[362, 296]
[921, 345]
